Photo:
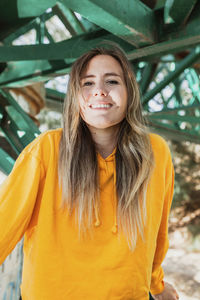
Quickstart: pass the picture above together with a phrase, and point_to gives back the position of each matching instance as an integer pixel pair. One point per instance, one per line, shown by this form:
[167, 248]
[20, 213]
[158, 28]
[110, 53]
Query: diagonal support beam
[188, 61]
[27, 71]
[172, 133]
[178, 11]
[28, 26]
[173, 42]
[6, 162]
[69, 19]
[163, 48]
[16, 125]
[122, 18]
[70, 49]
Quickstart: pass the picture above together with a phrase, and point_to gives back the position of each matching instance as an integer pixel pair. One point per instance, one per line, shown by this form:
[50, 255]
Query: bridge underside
[161, 39]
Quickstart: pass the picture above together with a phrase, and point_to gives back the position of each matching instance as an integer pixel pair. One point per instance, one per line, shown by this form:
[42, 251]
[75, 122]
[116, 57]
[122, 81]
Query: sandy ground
[182, 264]
[182, 269]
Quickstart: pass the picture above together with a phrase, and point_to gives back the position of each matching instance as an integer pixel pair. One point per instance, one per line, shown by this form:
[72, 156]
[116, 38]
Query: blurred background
[39, 40]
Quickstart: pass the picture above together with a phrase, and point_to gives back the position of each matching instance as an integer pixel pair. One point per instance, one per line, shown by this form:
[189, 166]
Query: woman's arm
[157, 284]
[18, 194]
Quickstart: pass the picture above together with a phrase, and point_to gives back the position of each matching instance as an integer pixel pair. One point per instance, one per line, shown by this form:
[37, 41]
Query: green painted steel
[26, 28]
[69, 19]
[150, 53]
[174, 134]
[172, 40]
[176, 116]
[178, 11]
[24, 73]
[188, 61]
[6, 162]
[33, 8]
[27, 122]
[190, 30]
[55, 95]
[66, 48]
[145, 34]
[147, 76]
[122, 18]
[16, 125]
[69, 49]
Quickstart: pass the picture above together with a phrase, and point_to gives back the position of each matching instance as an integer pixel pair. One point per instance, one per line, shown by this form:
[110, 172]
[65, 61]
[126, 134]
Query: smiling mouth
[100, 106]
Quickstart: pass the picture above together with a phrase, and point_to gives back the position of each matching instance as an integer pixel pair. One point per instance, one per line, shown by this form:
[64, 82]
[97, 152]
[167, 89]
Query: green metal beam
[54, 100]
[188, 61]
[23, 9]
[55, 95]
[69, 19]
[6, 162]
[172, 41]
[175, 118]
[173, 110]
[7, 29]
[178, 11]
[26, 122]
[26, 72]
[190, 30]
[174, 134]
[16, 125]
[37, 7]
[69, 49]
[27, 27]
[177, 41]
[163, 48]
[146, 76]
[122, 18]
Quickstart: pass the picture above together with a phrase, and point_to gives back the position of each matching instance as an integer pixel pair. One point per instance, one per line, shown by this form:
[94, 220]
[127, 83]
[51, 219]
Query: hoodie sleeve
[18, 195]
[157, 283]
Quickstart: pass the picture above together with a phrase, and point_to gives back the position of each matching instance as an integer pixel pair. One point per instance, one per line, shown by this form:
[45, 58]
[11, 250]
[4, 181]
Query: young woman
[92, 200]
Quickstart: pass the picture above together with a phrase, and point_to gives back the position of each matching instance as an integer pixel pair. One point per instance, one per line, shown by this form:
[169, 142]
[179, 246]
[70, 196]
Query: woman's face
[103, 95]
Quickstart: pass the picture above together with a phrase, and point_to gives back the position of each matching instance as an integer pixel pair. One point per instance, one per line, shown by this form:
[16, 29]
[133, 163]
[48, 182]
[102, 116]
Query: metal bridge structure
[160, 37]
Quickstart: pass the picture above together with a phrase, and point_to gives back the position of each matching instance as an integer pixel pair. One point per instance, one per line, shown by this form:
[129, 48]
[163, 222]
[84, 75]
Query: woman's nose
[99, 91]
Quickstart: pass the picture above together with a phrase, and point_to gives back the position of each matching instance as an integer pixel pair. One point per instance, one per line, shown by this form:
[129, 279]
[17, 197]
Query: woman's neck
[105, 139]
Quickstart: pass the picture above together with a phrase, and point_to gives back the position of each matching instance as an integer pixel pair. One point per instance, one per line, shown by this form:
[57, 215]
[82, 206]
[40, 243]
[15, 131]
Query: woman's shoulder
[159, 145]
[44, 143]
[49, 135]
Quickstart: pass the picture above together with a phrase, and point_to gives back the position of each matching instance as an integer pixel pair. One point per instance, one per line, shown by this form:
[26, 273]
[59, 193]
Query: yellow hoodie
[60, 266]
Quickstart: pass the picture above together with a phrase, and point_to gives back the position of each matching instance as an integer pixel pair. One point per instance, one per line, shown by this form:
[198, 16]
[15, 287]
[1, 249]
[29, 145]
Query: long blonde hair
[78, 165]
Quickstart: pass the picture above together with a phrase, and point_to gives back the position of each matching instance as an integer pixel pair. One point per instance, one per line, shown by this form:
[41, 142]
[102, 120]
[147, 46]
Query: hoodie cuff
[158, 289]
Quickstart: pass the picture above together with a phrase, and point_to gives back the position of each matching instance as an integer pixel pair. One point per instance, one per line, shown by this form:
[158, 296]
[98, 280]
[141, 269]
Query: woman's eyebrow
[112, 74]
[106, 74]
[88, 76]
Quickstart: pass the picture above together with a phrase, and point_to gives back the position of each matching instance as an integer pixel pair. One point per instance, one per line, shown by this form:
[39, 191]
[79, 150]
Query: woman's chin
[102, 125]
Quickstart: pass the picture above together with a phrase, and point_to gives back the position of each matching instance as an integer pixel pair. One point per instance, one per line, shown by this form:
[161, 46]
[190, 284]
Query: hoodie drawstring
[97, 222]
[115, 226]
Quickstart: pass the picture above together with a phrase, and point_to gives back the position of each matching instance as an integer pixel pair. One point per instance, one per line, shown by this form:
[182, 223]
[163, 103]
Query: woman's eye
[112, 82]
[87, 83]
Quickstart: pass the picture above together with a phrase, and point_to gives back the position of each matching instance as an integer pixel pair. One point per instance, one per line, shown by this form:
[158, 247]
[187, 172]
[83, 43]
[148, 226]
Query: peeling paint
[142, 37]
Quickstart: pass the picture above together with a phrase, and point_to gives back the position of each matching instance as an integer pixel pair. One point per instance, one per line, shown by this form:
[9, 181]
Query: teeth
[101, 105]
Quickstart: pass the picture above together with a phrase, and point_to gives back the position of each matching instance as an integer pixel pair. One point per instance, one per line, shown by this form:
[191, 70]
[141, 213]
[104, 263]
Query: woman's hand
[169, 293]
